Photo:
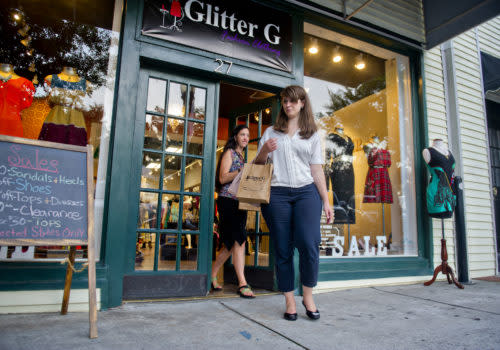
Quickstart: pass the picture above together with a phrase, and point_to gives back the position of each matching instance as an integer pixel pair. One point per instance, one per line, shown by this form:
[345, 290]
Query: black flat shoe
[290, 317]
[313, 315]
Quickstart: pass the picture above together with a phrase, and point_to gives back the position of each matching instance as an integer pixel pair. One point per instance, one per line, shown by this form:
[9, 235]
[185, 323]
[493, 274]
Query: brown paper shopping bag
[255, 183]
[249, 206]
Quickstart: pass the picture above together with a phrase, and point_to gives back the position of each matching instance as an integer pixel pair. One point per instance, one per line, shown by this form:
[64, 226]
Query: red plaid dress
[378, 187]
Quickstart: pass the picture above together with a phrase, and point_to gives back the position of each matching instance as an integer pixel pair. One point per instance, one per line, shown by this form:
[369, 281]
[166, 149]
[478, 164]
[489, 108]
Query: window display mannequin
[339, 171]
[373, 143]
[65, 122]
[16, 94]
[441, 165]
[440, 198]
[378, 188]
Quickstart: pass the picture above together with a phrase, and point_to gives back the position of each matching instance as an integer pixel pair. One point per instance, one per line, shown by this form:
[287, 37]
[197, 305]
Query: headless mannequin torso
[16, 94]
[67, 74]
[7, 72]
[439, 146]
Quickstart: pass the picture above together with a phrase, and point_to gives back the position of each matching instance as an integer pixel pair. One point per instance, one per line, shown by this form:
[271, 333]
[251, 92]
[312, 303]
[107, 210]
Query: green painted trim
[119, 206]
[377, 267]
[211, 168]
[298, 50]
[45, 275]
[426, 246]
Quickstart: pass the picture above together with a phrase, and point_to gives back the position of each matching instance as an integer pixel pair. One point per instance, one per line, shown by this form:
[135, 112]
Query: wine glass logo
[176, 12]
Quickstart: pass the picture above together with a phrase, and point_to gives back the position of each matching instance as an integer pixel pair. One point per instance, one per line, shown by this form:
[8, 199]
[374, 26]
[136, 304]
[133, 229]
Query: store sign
[237, 29]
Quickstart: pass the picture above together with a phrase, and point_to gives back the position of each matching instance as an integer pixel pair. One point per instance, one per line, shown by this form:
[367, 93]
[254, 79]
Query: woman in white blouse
[298, 192]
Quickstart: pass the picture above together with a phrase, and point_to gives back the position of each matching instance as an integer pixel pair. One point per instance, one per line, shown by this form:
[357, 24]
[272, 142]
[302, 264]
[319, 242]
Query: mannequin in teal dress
[440, 197]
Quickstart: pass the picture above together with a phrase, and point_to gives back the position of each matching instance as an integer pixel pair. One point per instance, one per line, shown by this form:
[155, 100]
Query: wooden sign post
[46, 198]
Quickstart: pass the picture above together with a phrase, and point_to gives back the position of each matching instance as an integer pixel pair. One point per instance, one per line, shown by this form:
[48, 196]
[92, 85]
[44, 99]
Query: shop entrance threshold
[228, 291]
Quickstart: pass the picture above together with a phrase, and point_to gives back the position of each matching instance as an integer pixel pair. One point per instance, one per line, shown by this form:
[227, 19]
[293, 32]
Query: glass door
[174, 128]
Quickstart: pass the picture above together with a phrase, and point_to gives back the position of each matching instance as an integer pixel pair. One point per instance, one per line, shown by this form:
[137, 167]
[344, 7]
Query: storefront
[159, 85]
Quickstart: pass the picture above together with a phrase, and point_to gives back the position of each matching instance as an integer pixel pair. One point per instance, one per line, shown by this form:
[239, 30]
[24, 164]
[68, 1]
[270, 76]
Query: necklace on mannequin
[5, 78]
[439, 146]
[340, 131]
[6, 72]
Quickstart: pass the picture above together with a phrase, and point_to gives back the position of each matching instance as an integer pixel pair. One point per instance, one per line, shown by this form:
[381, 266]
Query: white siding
[31, 301]
[489, 37]
[437, 129]
[477, 187]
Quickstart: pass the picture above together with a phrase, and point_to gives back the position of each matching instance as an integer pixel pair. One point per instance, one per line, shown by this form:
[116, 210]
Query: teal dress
[441, 198]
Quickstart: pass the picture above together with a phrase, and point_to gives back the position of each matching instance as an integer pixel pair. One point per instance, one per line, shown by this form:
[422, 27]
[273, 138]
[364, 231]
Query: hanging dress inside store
[378, 188]
[16, 94]
[65, 122]
[34, 116]
[440, 197]
[340, 173]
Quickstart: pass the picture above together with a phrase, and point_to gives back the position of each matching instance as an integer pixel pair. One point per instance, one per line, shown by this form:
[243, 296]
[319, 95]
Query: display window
[58, 63]
[360, 96]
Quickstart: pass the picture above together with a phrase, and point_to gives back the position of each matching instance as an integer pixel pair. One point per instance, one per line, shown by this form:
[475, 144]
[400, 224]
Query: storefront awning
[439, 21]
[491, 76]
[445, 19]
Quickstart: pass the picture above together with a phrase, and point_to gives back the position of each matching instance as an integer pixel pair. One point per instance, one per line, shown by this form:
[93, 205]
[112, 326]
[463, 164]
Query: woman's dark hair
[307, 125]
[230, 144]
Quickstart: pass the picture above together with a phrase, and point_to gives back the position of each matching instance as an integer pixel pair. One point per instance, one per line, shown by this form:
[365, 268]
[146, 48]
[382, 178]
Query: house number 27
[221, 63]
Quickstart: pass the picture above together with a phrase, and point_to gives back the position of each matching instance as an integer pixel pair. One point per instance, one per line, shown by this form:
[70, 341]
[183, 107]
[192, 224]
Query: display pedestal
[444, 267]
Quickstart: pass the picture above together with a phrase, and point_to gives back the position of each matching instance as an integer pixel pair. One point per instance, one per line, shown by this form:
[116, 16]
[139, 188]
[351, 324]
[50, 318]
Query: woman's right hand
[270, 145]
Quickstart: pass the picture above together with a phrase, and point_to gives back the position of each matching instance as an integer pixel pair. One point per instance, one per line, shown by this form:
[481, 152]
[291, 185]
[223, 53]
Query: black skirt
[232, 222]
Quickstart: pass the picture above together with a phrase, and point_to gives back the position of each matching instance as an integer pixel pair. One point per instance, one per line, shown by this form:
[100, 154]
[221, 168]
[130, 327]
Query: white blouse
[293, 158]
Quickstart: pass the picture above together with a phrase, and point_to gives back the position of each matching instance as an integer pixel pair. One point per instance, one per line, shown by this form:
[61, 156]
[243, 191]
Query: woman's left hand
[330, 216]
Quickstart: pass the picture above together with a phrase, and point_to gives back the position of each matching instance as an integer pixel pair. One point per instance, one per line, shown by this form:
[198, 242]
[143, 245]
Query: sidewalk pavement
[440, 316]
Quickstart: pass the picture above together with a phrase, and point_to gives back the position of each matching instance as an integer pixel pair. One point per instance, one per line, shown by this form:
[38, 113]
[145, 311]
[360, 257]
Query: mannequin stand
[444, 267]
[383, 220]
[348, 232]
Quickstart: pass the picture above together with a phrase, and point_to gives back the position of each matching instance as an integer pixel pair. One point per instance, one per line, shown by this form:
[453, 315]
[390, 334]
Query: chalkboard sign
[44, 192]
[46, 198]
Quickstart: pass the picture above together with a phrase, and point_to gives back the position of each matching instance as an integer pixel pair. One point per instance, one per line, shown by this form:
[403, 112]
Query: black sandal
[247, 287]
[215, 285]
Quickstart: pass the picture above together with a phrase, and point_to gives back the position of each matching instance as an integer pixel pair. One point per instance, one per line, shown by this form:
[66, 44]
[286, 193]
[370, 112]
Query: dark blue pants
[293, 217]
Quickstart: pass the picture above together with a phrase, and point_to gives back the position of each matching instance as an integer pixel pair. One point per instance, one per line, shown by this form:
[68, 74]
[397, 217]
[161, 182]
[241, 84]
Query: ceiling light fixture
[17, 14]
[337, 57]
[360, 63]
[313, 49]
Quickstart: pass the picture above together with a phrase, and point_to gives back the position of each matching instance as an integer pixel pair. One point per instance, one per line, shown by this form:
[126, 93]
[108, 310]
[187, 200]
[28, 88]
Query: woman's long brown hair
[307, 125]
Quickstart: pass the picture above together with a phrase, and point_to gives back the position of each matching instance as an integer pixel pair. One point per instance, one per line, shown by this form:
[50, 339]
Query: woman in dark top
[232, 221]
